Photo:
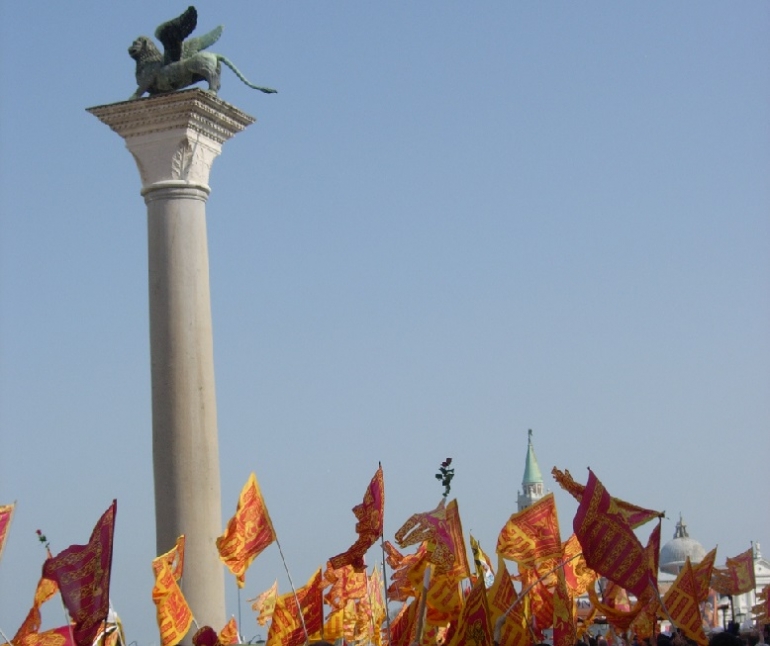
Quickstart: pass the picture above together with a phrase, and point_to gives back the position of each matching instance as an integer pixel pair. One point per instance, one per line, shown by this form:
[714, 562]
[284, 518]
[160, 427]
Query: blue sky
[453, 223]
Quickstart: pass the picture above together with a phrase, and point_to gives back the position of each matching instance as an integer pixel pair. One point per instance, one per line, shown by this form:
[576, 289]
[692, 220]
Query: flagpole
[423, 603]
[291, 583]
[239, 613]
[501, 619]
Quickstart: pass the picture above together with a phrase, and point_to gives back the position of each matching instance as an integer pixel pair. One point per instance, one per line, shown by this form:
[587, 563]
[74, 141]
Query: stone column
[174, 139]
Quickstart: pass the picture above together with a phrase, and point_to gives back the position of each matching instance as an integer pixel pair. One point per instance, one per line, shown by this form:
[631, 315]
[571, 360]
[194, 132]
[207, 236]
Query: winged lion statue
[183, 61]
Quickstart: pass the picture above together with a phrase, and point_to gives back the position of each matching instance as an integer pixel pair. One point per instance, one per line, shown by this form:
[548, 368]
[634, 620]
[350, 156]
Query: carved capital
[174, 137]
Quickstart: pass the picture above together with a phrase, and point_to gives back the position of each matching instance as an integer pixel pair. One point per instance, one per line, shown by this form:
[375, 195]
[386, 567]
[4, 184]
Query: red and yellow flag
[577, 575]
[174, 557]
[501, 597]
[737, 576]
[437, 529]
[370, 514]
[248, 533]
[403, 626]
[532, 535]
[683, 605]
[229, 634]
[346, 583]
[406, 579]
[474, 626]
[287, 627]
[6, 516]
[61, 636]
[610, 546]
[264, 604]
[83, 575]
[173, 615]
[702, 572]
[564, 620]
[634, 515]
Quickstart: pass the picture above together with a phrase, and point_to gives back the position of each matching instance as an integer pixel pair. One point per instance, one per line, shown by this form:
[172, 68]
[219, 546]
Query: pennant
[229, 634]
[532, 535]
[172, 613]
[6, 516]
[287, 627]
[610, 546]
[370, 514]
[738, 575]
[83, 575]
[174, 557]
[564, 633]
[248, 533]
[474, 628]
[635, 516]
[264, 604]
[433, 528]
[683, 605]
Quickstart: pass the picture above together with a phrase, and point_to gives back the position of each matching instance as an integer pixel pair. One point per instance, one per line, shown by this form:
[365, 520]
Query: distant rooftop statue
[183, 62]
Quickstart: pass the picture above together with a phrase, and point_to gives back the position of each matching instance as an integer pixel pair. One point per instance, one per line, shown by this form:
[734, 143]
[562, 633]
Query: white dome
[674, 554]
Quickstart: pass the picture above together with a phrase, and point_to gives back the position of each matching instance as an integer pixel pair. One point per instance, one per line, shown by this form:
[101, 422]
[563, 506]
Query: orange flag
[634, 515]
[173, 615]
[287, 627]
[683, 605]
[738, 575]
[610, 546]
[174, 557]
[248, 533]
[370, 514]
[6, 516]
[532, 535]
[474, 627]
[264, 604]
[564, 633]
[83, 575]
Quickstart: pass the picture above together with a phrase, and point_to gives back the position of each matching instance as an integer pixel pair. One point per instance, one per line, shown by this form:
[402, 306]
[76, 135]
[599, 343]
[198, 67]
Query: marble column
[174, 139]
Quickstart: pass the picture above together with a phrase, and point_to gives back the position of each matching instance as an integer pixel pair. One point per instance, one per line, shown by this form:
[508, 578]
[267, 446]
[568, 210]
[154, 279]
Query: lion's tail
[231, 65]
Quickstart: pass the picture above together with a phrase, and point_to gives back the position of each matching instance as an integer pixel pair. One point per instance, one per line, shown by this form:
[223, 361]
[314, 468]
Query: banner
[173, 615]
[264, 604]
[370, 514]
[174, 557]
[683, 605]
[287, 627]
[83, 575]
[738, 575]
[248, 533]
[474, 627]
[532, 535]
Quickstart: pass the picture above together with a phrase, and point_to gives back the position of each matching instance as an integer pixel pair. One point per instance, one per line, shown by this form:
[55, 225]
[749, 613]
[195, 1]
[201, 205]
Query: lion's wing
[194, 45]
[173, 32]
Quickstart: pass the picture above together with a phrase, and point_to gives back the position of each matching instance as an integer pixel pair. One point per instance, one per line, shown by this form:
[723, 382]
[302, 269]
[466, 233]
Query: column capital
[174, 138]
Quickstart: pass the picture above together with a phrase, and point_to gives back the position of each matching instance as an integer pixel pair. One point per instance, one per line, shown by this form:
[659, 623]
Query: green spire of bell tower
[532, 473]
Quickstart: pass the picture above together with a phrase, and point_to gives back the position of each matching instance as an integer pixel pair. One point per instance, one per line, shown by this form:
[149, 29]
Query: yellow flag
[173, 614]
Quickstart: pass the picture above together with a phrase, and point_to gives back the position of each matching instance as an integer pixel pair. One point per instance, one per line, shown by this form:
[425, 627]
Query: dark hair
[725, 639]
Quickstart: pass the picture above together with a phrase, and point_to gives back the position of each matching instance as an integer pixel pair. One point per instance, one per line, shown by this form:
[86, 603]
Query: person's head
[725, 638]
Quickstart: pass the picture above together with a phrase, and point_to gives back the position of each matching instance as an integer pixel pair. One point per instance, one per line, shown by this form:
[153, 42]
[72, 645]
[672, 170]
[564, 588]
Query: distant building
[674, 554]
[532, 488]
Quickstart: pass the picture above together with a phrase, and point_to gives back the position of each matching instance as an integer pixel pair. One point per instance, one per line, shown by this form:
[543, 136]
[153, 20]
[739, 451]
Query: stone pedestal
[174, 139]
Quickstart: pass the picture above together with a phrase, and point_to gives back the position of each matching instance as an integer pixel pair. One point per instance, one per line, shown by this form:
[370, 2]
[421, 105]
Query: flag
[174, 557]
[564, 633]
[229, 634]
[346, 583]
[443, 598]
[370, 514]
[403, 626]
[172, 613]
[406, 579]
[610, 546]
[501, 596]
[61, 636]
[83, 575]
[438, 530]
[577, 575]
[265, 603]
[6, 516]
[31, 624]
[473, 627]
[702, 574]
[482, 563]
[377, 609]
[737, 576]
[683, 605]
[248, 533]
[532, 535]
[287, 627]
[634, 515]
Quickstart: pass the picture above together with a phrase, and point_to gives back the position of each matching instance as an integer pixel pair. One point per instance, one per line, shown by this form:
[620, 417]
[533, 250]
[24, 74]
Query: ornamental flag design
[6, 515]
[577, 575]
[473, 628]
[83, 575]
[346, 584]
[408, 570]
[634, 515]
[403, 625]
[174, 557]
[501, 597]
[264, 604]
[702, 574]
[436, 528]
[287, 627]
[683, 605]
[532, 535]
[370, 514]
[248, 533]
[609, 544]
[61, 636]
[563, 613]
[173, 615]
[738, 575]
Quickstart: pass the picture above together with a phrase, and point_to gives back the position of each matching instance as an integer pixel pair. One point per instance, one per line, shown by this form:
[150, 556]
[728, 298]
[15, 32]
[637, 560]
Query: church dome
[674, 554]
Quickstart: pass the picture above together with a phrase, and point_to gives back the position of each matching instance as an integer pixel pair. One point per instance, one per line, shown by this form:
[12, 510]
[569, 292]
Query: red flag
[248, 533]
[83, 575]
[610, 547]
[287, 628]
[532, 535]
[369, 526]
